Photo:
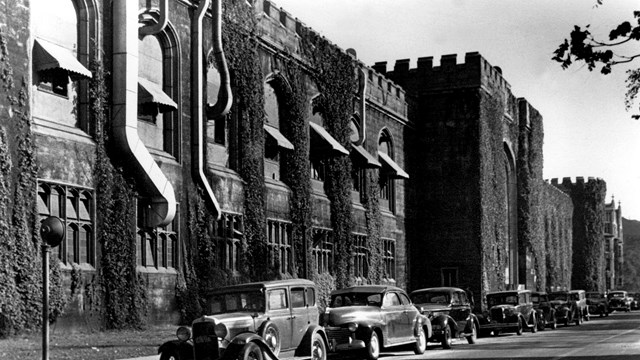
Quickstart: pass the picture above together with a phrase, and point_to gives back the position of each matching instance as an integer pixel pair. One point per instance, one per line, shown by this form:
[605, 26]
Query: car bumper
[497, 325]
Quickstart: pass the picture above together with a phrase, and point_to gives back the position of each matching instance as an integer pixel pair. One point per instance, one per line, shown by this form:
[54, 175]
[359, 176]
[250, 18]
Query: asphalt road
[613, 337]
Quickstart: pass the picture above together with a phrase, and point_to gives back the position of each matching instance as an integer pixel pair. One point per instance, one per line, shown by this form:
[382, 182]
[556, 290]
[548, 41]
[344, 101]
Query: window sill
[154, 270]
[59, 130]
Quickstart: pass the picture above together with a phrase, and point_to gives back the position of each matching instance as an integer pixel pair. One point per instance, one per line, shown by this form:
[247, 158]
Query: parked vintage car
[567, 310]
[450, 311]
[546, 312]
[597, 303]
[509, 311]
[370, 318]
[247, 321]
[619, 300]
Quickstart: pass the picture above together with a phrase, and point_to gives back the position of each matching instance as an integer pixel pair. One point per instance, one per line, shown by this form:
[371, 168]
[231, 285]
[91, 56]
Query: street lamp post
[52, 233]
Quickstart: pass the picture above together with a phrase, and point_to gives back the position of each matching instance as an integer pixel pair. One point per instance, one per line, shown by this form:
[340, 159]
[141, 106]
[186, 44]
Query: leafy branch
[582, 46]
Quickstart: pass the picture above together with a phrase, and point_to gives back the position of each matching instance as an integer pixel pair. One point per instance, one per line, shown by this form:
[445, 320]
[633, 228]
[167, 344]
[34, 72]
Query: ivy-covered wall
[588, 199]
[557, 215]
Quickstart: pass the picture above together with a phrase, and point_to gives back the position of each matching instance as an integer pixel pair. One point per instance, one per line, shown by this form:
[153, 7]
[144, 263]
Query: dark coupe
[509, 311]
[369, 318]
[546, 312]
[450, 312]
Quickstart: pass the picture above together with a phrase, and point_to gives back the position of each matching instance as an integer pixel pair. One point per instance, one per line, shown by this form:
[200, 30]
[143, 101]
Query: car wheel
[446, 338]
[496, 333]
[471, 339]
[554, 324]
[168, 355]
[372, 351]
[271, 337]
[520, 325]
[421, 342]
[318, 348]
[251, 351]
[578, 320]
[534, 328]
[542, 324]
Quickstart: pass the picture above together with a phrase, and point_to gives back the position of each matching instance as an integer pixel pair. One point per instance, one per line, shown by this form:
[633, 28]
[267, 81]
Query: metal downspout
[153, 29]
[362, 92]
[125, 115]
[222, 106]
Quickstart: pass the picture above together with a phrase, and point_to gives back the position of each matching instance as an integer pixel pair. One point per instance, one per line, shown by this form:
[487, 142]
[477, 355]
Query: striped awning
[364, 157]
[391, 167]
[49, 56]
[151, 93]
[276, 135]
[323, 143]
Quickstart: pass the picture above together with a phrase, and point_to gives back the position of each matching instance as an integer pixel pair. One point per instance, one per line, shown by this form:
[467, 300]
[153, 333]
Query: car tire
[520, 326]
[446, 337]
[471, 339]
[271, 337]
[534, 328]
[318, 348]
[421, 342]
[169, 355]
[372, 351]
[578, 320]
[251, 351]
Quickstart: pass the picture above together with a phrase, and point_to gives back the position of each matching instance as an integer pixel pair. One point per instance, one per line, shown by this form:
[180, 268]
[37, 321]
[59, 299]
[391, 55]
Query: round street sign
[52, 231]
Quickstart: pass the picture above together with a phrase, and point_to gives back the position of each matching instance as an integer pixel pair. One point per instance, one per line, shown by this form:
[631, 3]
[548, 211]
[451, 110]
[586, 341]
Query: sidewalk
[153, 357]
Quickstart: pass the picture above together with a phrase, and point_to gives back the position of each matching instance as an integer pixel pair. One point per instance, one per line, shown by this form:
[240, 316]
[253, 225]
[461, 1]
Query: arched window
[511, 219]
[62, 29]
[389, 171]
[158, 90]
[275, 141]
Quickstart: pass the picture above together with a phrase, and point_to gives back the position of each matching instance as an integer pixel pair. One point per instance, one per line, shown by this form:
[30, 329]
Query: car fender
[243, 339]
[304, 348]
[423, 322]
[182, 349]
[472, 320]
[444, 320]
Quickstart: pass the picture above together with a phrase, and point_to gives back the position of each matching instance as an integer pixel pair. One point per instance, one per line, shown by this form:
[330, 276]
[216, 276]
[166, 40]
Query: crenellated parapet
[383, 92]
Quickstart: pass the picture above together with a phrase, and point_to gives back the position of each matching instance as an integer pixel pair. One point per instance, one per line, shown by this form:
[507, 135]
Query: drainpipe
[222, 106]
[362, 92]
[153, 29]
[125, 116]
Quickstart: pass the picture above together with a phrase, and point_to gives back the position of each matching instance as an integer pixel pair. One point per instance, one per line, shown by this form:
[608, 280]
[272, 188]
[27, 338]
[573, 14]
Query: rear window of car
[277, 299]
[356, 299]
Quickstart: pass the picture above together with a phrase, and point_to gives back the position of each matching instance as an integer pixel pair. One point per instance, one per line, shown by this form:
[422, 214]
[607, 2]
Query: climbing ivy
[122, 292]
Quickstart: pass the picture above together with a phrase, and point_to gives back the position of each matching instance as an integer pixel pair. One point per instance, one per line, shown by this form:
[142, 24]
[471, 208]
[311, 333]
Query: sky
[588, 132]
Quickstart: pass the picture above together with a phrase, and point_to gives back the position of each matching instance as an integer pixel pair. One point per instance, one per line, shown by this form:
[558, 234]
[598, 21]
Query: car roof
[438, 289]
[508, 292]
[366, 289]
[264, 285]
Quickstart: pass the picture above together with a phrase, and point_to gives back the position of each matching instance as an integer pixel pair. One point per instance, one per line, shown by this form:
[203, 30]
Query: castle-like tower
[613, 245]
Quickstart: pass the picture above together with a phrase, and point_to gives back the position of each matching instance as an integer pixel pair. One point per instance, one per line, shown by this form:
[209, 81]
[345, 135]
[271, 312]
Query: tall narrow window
[360, 256]
[511, 219]
[389, 258]
[275, 141]
[227, 235]
[159, 90]
[280, 246]
[322, 250]
[156, 247]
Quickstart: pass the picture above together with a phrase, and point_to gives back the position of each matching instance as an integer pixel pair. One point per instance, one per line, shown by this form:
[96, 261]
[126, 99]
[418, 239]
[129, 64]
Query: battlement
[282, 30]
[568, 182]
[476, 71]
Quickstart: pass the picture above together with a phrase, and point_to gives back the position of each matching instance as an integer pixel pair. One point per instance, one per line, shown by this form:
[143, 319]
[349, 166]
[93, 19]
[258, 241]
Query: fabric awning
[323, 142]
[278, 137]
[49, 56]
[392, 168]
[364, 157]
[152, 93]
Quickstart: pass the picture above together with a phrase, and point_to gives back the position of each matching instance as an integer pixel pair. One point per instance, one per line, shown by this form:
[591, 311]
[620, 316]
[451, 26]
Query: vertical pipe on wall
[362, 92]
[153, 182]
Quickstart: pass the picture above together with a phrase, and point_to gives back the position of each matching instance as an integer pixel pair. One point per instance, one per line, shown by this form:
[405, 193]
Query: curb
[152, 357]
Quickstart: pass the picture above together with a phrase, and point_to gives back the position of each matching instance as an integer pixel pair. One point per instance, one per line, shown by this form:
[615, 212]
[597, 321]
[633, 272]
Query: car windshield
[510, 299]
[431, 298]
[559, 296]
[250, 301]
[356, 299]
[537, 299]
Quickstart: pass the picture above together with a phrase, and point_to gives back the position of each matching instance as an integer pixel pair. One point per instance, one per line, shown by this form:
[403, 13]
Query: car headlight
[221, 331]
[352, 327]
[183, 333]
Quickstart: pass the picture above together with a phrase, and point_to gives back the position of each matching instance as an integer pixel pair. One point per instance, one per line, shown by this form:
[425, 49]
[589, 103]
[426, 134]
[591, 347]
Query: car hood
[352, 314]
[235, 323]
[557, 303]
[433, 308]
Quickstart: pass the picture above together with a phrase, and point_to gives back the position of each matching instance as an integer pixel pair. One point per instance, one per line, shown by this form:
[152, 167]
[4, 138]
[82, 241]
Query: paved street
[613, 337]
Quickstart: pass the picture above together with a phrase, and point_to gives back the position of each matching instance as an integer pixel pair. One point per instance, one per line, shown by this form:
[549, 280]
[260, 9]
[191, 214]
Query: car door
[280, 315]
[299, 315]
[410, 315]
[393, 315]
[460, 309]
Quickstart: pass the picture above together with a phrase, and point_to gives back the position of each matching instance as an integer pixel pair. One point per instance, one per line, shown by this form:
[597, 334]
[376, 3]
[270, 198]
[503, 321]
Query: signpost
[52, 233]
